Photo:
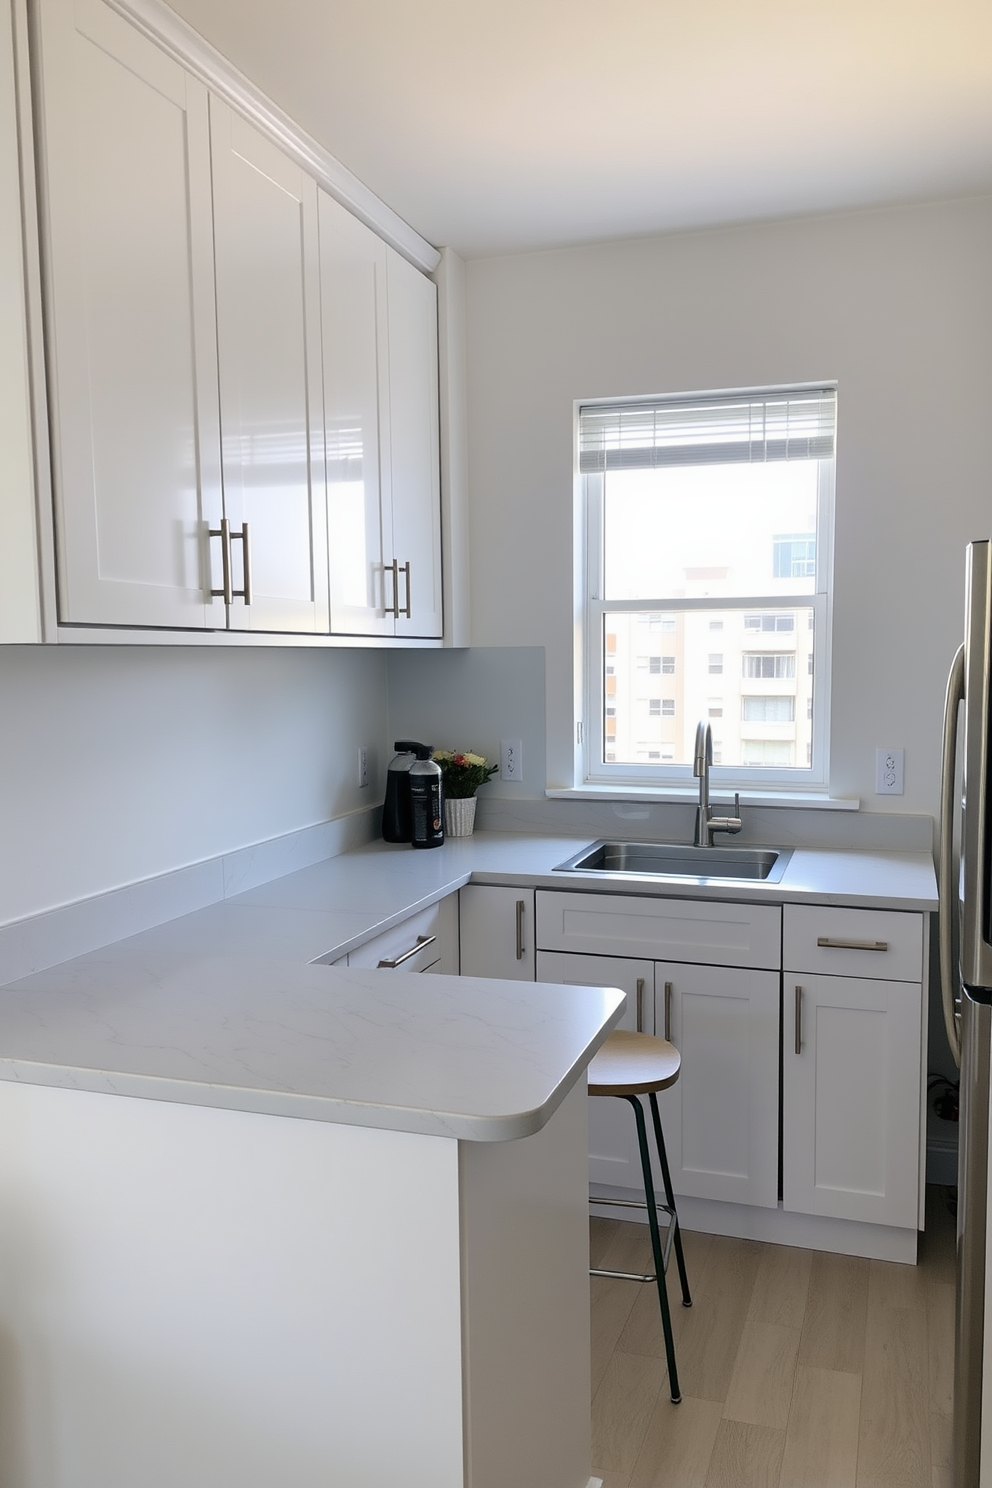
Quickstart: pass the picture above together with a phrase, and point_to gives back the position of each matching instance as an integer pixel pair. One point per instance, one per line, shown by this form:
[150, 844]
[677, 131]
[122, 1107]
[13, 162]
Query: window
[654, 707]
[768, 709]
[709, 518]
[769, 664]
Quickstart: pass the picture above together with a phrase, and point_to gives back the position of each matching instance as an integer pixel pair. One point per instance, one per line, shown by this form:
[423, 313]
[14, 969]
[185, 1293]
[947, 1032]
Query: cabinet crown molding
[196, 54]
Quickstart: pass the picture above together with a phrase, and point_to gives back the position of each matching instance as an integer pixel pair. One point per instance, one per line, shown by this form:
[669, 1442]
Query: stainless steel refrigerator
[965, 879]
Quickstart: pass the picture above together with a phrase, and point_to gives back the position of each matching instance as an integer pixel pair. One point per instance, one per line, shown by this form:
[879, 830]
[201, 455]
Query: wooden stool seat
[633, 1064]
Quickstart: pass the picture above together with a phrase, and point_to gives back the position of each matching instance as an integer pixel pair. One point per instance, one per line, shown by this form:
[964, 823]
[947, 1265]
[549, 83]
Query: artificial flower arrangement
[462, 772]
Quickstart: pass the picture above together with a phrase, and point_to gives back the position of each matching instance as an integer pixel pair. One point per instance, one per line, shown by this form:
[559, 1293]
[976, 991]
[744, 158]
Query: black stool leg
[659, 1263]
[670, 1198]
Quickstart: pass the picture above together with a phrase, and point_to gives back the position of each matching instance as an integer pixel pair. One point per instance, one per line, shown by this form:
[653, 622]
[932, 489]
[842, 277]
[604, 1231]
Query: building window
[654, 707]
[768, 709]
[776, 664]
[710, 513]
[770, 624]
[668, 707]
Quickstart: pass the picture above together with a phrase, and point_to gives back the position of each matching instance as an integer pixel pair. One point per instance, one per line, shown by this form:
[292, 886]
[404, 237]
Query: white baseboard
[71, 930]
[807, 1231]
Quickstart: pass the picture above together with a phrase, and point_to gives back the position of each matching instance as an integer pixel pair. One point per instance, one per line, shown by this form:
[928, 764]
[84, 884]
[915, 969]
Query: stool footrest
[669, 1236]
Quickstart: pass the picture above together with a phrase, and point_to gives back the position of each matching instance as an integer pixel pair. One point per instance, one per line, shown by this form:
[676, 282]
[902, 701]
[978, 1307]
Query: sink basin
[678, 860]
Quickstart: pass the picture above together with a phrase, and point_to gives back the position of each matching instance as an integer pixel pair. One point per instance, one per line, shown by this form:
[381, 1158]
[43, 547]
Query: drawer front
[707, 932]
[884, 944]
[394, 944]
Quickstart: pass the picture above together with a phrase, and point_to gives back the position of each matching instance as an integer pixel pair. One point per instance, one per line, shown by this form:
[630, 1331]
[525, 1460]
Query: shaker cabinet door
[414, 521]
[355, 354]
[268, 340]
[130, 322]
[721, 1118]
[851, 1098]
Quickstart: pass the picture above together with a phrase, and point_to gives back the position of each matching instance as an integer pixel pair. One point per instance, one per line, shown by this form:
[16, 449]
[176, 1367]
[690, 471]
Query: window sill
[674, 795]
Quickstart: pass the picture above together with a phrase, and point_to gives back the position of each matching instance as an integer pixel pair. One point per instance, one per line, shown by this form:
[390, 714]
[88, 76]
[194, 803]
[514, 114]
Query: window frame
[591, 609]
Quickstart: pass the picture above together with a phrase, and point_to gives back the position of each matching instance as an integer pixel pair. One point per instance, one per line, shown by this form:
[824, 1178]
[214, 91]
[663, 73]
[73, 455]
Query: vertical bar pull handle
[640, 1004]
[668, 1011]
[394, 608]
[407, 611]
[520, 929]
[799, 1020]
[242, 537]
[224, 533]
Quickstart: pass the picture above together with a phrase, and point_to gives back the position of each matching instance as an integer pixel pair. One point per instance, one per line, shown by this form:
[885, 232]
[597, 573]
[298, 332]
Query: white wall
[120, 762]
[895, 304]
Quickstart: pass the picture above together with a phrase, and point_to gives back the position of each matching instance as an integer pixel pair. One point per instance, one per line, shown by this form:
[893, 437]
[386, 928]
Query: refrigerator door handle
[946, 877]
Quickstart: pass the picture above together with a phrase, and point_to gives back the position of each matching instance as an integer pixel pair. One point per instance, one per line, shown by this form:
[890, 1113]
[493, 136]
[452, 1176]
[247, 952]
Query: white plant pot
[459, 817]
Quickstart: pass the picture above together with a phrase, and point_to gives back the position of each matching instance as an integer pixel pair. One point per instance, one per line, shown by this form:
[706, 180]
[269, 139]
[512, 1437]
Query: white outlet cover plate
[889, 766]
[511, 760]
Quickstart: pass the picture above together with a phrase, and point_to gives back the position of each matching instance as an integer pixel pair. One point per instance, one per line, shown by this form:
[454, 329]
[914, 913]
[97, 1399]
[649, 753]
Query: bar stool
[630, 1065]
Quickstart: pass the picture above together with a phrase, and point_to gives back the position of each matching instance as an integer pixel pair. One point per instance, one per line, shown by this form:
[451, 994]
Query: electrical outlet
[511, 760]
[889, 765]
[363, 765]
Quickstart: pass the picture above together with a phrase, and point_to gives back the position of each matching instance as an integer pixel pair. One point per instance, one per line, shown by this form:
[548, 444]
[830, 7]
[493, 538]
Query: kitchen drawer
[884, 944]
[707, 932]
[394, 944]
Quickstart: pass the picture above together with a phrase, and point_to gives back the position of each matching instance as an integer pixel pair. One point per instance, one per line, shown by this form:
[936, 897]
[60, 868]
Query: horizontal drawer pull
[422, 941]
[834, 943]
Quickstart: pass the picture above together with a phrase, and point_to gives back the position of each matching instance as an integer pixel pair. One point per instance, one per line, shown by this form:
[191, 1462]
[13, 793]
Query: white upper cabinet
[268, 344]
[353, 338]
[130, 322]
[414, 522]
[379, 336]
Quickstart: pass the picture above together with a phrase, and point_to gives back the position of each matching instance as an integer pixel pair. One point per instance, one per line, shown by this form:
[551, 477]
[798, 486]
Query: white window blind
[723, 429]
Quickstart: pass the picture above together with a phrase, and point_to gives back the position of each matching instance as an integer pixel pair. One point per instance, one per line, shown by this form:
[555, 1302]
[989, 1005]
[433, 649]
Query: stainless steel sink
[678, 860]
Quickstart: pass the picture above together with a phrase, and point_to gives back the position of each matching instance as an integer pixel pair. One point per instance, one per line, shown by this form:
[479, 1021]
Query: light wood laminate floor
[799, 1369]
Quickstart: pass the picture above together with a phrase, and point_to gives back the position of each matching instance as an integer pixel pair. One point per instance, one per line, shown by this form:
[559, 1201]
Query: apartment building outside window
[706, 514]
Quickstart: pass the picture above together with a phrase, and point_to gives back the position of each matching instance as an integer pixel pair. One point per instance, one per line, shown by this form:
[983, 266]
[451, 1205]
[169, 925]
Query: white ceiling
[495, 128]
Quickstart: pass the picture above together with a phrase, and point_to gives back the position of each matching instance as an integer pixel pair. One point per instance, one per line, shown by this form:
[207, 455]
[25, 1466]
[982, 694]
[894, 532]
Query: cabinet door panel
[488, 917]
[721, 1119]
[414, 529]
[614, 1160]
[355, 355]
[851, 1099]
[268, 329]
[131, 323]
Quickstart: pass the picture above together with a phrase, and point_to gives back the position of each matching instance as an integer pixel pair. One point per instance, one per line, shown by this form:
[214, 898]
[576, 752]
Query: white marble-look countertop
[222, 1007]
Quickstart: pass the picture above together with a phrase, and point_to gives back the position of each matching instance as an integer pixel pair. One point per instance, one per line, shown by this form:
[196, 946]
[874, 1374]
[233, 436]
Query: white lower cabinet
[830, 1080]
[851, 1066]
[496, 928]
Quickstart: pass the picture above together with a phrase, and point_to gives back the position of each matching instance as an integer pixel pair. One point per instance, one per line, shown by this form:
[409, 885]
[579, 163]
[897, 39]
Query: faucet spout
[706, 823]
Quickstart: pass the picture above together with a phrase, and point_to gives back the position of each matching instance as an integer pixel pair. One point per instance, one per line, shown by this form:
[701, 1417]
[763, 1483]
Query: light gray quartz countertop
[222, 1008]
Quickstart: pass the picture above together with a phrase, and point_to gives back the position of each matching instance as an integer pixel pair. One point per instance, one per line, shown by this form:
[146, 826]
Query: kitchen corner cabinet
[851, 1064]
[130, 322]
[496, 932]
[379, 341]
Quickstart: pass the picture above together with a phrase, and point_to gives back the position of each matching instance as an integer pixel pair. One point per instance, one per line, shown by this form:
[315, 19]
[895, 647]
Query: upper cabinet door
[268, 341]
[130, 323]
[414, 480]
[355, 354]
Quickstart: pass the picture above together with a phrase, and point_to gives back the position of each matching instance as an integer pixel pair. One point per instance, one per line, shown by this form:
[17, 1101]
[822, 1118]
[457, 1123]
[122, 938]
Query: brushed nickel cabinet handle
[224, 533]
[242, 537]
[836, 944]
[422, 941]
[406, 570]
[521, 905]
[799, 1020]
[668, 1011]
[394, 608]
[640, 1004]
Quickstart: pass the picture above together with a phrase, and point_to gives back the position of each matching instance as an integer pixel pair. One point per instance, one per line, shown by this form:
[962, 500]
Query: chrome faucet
[706, 824]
